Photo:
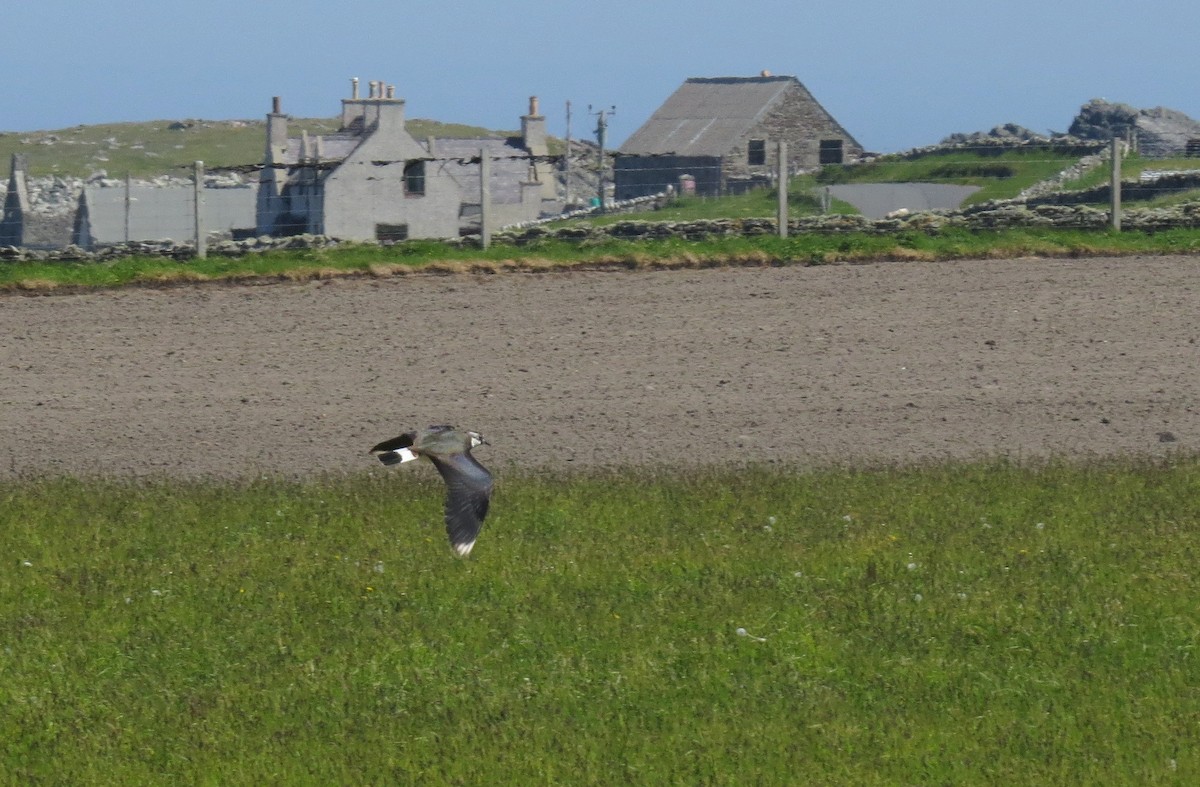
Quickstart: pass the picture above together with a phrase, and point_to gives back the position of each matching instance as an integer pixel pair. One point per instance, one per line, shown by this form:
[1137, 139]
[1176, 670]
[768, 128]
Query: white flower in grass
[378, 568]
[1040, 526]
[27, 564]
[917, 597]
[741, 632]
[911, 566]
[771, 520]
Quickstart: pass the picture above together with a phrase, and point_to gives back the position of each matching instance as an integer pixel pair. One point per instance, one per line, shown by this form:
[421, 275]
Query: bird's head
[477, 439]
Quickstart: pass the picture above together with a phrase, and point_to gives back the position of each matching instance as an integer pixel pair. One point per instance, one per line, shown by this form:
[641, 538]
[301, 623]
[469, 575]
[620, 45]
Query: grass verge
[434, 257]
[979, 623]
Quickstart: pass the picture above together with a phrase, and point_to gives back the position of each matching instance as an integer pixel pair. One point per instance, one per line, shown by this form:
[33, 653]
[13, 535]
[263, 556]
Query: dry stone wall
[986, 216]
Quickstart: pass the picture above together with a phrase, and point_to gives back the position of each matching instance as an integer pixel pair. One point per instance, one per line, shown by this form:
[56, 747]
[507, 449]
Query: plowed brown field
[889, 362]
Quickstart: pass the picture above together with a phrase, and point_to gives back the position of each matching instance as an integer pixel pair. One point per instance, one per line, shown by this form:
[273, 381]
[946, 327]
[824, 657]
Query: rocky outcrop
[1157, 132]
[1009, 132]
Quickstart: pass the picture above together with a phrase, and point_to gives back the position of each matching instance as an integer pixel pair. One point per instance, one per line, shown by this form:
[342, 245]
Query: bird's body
[468, 483]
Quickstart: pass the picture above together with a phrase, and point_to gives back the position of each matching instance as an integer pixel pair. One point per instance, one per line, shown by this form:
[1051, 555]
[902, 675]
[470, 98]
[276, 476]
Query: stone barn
[718, 135]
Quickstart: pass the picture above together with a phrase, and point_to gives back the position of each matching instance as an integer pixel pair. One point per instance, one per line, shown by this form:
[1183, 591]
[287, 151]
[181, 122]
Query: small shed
[722, 133]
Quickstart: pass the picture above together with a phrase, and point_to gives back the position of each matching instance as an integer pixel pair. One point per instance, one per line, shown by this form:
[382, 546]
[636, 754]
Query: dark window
[756, 152]
[831, 151]
[414, 178]
[391, 232]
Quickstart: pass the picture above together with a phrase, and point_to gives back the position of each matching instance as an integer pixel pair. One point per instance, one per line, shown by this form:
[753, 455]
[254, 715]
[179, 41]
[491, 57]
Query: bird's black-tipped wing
[468, 493]
[389, 451]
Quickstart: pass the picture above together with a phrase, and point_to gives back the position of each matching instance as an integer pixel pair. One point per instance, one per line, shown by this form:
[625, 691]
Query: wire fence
[443, 196]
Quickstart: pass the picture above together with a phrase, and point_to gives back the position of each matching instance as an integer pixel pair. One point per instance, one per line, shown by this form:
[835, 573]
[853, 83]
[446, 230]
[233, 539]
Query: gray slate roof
[334, 147]
[705, 116]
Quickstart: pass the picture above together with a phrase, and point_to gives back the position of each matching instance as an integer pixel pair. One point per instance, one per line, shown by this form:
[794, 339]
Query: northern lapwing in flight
[468, 483]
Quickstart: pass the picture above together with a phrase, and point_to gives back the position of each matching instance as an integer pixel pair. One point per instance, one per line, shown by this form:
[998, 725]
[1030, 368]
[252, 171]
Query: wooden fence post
[198, 210]
[485, 199]
[1116, 185]
[782, 212]
[128, 202]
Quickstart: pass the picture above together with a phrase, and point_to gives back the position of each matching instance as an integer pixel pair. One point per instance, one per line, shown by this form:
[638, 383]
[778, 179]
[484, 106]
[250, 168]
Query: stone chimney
[389, 110]
[533, 130]
[379, 107]
[267, 204]
[277, 130]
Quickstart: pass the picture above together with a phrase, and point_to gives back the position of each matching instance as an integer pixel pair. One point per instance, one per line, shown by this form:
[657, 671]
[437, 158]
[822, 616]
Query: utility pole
[601, 133]
[567, 162]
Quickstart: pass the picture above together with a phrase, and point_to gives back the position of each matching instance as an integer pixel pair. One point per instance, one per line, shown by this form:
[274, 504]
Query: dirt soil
[863, 364]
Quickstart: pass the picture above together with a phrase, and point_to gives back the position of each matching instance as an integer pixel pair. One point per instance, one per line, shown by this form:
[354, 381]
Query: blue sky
[895, 74]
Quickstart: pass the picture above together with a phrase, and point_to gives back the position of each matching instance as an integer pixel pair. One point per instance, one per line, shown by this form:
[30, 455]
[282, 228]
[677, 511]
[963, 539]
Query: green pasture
[1001, 175]
[962, 624]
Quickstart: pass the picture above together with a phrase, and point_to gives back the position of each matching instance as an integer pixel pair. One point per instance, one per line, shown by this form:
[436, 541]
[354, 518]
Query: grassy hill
[169, 147]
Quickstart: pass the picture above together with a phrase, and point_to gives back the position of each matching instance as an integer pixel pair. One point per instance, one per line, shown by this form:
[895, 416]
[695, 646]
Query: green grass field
[959, 624]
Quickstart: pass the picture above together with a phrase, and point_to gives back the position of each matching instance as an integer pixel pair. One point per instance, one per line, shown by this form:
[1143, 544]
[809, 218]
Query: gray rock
[1156, 132]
